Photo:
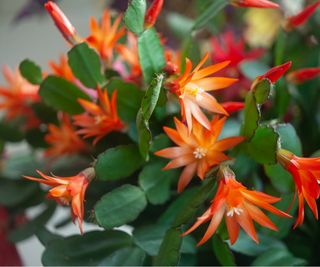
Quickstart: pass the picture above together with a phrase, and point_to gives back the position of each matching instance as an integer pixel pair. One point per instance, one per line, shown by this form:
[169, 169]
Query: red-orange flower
[104, 37]
[17, 96]
[303, 75]
[63, 139]
[300, 18]
[198, 151]
[306, 175]
[239, 206]
[153, 13]
[66, 190]
[62, 69]
[255, 3]
[99, 119]
[62, 23]
[129, 53]
[192, 89]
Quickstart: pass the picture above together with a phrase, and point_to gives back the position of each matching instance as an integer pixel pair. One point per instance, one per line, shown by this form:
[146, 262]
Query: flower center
[233, 211]
[200, 152]
[192, 90]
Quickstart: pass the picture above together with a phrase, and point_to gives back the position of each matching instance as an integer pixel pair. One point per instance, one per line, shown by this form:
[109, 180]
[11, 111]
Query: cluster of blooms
[196, 135]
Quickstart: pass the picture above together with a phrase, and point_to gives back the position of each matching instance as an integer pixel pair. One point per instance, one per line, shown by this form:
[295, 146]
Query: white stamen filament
[233, 211]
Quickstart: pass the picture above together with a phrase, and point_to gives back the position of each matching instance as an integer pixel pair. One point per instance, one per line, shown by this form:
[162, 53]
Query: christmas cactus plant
[188, 138]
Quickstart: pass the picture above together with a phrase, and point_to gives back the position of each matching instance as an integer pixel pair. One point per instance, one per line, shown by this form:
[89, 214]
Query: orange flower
[306, 175]
[192, 88]
[104, 37]
[66, 190]
[62, 23]
[62, 69]
[17, 97]
[129, 54]
[197, 151]
[63, 139]
[239, 206]
[99, 120]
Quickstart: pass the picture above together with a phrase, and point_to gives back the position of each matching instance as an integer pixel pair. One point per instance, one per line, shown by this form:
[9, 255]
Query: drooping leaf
[85, 65]
[148, 105]
[245, 245]
[128, 99]
[212, 10]
[134, 16]
[29, 228]
[118, 162]
[150, 237]
[129, 256]
[120, 206]
[87, 249]
[30, 71]
[144, 135]
[151, 54]
[62, 95]
[45, 236]
[278, 257]
[156, 182]
[169, 253]
[222, 251]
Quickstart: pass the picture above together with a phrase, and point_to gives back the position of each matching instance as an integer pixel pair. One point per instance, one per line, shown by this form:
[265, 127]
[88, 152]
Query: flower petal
[186, 176]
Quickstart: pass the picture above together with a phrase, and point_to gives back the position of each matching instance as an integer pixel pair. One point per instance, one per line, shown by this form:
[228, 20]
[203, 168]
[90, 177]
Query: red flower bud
[171, 68]
[254, 3]
[153, 13]
[232, 106]
[302, 75]
[275, 73]
[297, 20]
[62, 22]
